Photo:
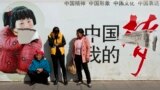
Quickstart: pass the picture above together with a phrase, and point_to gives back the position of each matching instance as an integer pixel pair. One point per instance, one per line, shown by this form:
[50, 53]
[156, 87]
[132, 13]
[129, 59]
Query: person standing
[57, 43]
[81, 54]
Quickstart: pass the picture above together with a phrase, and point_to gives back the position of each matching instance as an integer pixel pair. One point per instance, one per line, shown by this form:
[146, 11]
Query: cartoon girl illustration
[16, 57]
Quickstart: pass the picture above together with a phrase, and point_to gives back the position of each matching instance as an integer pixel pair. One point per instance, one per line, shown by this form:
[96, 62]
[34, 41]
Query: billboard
[123, 35]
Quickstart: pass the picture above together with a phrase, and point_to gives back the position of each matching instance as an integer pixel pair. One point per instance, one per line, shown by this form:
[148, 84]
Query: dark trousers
[38, 77]
[79, 66]
[55, 60]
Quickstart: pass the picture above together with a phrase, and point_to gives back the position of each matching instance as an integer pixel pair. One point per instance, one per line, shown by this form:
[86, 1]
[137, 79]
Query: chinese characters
[131, 27]
[110, 33]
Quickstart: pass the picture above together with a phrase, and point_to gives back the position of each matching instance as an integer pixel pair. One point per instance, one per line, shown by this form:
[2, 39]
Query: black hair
[17, 13]
[80, 30]
[56, 32]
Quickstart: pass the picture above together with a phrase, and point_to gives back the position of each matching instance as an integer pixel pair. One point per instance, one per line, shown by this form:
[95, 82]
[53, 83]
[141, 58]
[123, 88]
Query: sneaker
[79, 82]
[89, 85]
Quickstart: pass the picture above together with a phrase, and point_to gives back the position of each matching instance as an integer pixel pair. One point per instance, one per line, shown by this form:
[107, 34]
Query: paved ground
[96, 85]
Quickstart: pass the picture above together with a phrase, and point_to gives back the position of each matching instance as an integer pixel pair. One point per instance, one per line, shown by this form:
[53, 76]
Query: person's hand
[39, 70]
[56, 45]
[21, 72]
[87, 59]
[53, 35]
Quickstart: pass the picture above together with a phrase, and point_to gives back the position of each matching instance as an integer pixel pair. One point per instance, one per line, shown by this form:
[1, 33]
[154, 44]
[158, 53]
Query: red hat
[39, 52]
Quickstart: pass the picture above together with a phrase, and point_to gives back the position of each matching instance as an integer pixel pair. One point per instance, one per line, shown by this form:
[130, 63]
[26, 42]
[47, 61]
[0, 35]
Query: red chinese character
[132, 24]
[143, 57]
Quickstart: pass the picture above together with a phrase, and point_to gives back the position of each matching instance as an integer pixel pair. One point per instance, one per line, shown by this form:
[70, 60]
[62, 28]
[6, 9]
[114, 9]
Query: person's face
[79, 35]
[55, 35]
[23, 23]
[39, 56]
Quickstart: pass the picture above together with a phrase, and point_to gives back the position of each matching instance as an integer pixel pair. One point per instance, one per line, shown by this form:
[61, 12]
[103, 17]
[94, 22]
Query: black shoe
[32, 83]
[65, 82]
[46, 83]
[55, 82]
[89, 85]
